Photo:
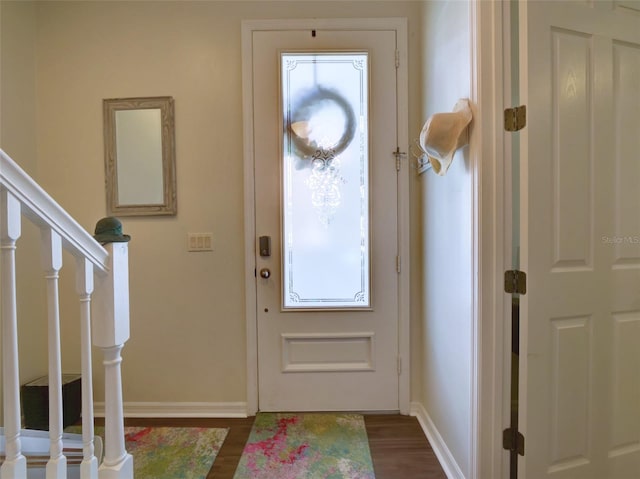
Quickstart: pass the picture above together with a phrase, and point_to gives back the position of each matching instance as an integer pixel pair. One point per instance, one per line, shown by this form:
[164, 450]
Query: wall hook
[422, 160]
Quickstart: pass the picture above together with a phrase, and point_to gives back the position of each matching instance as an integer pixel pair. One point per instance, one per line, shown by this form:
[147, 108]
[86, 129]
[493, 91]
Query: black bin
[35, 401]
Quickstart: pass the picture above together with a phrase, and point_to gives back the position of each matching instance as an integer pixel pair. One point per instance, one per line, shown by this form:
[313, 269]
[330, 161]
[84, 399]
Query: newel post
[110, 331]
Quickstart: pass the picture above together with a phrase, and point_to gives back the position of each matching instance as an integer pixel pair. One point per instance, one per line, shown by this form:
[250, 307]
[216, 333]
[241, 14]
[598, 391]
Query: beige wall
[60, 59]
[18, 138]
[18, 82]
[187, 309]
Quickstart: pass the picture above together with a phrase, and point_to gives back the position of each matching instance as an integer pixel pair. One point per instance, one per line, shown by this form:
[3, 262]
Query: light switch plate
[199, 241]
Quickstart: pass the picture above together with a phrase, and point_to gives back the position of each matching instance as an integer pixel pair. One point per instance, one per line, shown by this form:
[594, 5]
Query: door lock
[265, 246]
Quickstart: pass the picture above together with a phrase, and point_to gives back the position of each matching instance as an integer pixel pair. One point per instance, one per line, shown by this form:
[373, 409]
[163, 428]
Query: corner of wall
[439, 446]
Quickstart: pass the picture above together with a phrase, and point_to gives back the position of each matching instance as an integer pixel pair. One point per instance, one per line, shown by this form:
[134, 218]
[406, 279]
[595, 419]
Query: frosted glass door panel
[325, 180]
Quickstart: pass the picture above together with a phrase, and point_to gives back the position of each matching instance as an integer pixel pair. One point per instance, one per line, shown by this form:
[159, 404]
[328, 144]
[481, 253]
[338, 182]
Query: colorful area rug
[306, 446]
[170, 452]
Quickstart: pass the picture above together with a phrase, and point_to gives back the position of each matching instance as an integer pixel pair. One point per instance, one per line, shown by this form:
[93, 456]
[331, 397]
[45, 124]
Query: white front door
[327, 291]
[580, 233]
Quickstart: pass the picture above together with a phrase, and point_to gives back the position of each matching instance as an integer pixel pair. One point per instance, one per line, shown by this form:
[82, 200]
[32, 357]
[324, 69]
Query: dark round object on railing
[109, 230]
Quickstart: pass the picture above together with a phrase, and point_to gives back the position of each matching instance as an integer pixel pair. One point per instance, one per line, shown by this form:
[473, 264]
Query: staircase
[102, 286]
[35, 448]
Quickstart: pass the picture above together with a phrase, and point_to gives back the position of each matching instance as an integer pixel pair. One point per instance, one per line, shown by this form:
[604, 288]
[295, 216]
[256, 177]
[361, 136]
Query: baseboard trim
[179, 409]
[447, 461]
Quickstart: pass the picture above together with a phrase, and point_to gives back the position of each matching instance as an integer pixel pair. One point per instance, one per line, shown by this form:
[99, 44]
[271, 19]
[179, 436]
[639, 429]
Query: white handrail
[44, 211]
[106, 266]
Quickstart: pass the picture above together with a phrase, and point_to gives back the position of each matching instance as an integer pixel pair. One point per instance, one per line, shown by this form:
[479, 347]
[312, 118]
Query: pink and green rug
[309, 446]
[170, 452]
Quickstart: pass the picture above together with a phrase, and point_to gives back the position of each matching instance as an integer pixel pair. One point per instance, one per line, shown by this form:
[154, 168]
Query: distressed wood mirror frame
[140, 166]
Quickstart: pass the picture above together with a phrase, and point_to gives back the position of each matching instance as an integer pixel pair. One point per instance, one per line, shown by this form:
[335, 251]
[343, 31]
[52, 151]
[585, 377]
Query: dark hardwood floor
[399, 448]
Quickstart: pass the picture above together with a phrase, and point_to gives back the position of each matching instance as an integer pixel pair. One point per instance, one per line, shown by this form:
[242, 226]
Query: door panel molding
[328, 352]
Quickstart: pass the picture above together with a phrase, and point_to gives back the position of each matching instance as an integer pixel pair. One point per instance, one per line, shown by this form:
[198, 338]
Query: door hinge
[515, 282]
[515, 119]
[397, 58]
[398, 264]
[399, 365]
[513, 440]
[399, 156]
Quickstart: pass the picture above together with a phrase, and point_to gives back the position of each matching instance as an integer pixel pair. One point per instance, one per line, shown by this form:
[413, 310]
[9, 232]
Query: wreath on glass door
[309, 106]
[312, 131]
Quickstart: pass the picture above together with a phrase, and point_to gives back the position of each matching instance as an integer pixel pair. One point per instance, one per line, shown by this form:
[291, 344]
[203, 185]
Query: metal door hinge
[399, 365]
[397, 58]
[513, 440]
[399, 157]
[515, 119]
[398, 264]
[515, 282]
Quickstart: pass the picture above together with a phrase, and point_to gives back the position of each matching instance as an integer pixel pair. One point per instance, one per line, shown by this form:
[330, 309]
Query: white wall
[447, 241]
[187, 309]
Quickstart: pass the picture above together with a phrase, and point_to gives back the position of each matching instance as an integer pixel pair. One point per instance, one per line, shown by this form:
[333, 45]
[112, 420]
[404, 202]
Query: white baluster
[84, 287]
[110, 332]
[52, 262]
[15, 464]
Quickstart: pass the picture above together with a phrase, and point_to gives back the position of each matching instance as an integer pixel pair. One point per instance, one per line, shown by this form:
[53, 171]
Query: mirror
[140, 156]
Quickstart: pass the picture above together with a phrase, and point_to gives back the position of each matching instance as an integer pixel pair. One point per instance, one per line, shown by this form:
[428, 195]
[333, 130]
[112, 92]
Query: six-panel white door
[327, 359]
[580, 217]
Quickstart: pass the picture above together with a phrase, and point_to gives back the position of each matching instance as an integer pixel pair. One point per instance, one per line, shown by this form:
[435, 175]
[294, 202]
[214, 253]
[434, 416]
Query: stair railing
[102, 284]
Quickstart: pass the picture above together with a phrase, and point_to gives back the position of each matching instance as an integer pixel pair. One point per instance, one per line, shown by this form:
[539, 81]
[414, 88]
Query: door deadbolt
[265, 246]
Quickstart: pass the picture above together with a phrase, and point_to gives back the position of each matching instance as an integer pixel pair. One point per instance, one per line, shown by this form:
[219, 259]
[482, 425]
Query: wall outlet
[199, 241]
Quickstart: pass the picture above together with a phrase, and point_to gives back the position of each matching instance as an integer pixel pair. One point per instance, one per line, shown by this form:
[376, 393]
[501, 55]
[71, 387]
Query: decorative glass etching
[325, 180]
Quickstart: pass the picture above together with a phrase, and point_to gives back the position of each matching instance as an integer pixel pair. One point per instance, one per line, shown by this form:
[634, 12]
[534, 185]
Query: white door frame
[491, 68]
[248, 27]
